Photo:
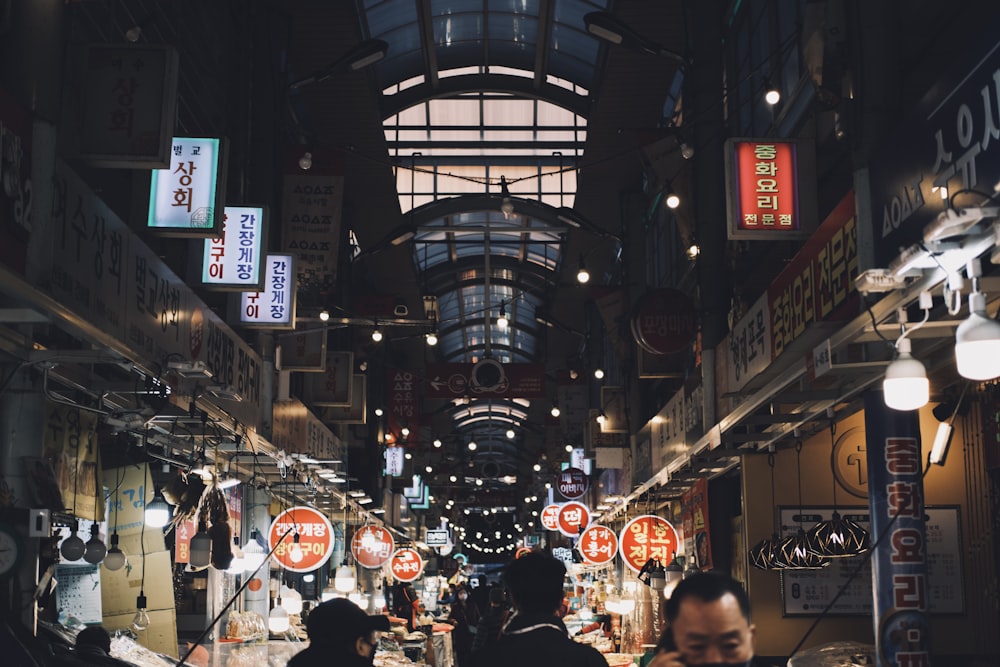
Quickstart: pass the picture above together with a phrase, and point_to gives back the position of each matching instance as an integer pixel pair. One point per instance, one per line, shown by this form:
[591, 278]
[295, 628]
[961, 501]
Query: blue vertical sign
[899, 564]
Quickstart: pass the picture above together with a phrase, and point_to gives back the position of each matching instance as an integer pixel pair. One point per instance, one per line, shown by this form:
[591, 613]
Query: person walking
[342, 634]
[465, 617]
[535, 636]
[492, 622]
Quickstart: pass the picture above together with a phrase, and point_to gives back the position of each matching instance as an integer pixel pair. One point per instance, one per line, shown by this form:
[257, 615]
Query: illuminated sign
[372, 546]
[406, 564]
[573, 483]
[185, 199]
[232, 260]
[646, 537]
[598, 545]
[315, 539]
[767, 200]
[394, 457]
[436, 538]
[274, 306]
[550, 517]
[573, 518]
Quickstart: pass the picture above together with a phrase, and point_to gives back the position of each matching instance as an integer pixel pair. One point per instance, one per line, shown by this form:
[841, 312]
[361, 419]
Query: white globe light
[977, 342]
[344, 580]
[291, 600]
[905, 386]
[277, 620]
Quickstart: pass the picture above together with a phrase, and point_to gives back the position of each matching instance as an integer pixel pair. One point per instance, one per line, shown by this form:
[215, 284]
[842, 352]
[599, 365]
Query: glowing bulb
[141, 619]
[324, 315]
[115, 558]
[345, 581]
[437, 443]
[306, 161]
[277, 620]
[673, 201]
[772, 96]
[377, 335]
[583, 276]
[599, 373]
[432, 339]
[157, 512]
[555, 412]
[291, 600]
[537, 467]
[295, 553]
[510, 434]
[472, 445]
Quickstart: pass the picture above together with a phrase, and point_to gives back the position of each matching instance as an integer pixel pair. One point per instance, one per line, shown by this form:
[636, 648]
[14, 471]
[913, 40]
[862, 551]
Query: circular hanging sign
[598, 545]
[550, 517]
[664, 321]
[406, 564]
[372, 546]
[573, 518]
[315, 543]
[573, 483]
[646, 537]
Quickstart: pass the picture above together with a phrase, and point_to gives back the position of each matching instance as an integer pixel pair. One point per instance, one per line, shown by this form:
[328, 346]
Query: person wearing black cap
[535, 635]
[93, 649]
[341, 634]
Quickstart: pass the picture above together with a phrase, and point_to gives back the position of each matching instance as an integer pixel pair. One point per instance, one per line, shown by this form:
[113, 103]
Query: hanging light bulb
[431, 338]
[115, 558]
[977, 341]
[601, 418]
[377, 334]
[673, 200]
[582, 274]
[141, 619]
[291, 600]
[295, 553]
[510, 434]
[201, 547]
[277, 620]
[506, 204]
[344, 580]
[763, 554]
[472, 445]
[157, 511]
[324, 315]
[405, 431]
[905, 385]
[555, 410]
[672, 574]
[771, 94]
[502, 321]
[837, 537]
[793, 553]
[253, 554]
[73, 547]
[598, 373]
[96, 549]
[237, 564]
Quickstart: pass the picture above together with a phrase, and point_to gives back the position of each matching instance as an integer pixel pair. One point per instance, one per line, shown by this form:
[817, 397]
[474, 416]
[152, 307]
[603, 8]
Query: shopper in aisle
[708, 623]
[465, 617]
[535, 636]
[492, 622]
[341, 634]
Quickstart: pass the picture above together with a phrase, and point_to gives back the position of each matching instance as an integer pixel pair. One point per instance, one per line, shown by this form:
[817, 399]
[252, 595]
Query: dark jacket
[490, 625]
[324, 656]
[91, 656]
[538, 640]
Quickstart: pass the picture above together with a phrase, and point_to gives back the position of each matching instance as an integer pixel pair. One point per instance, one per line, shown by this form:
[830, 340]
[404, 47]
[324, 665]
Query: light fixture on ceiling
[405, 431]
[472, 445]
[379, 412]
[253, 553]
[510, 434]
[905, 386]
[582, 274]
[277, 620]
[96, 549]
[942, 439]
[601, 418]
[693, 251]
[201, 548]
[306, 161]
[537, 467]
[506, 203]
[653, 575]
[115, 558]
[554, 410]
[141, 619]
[345, 580]
[763, 555]
[437, 443]
[157, 512]
[324, 315]
[377, 334]
[364, 54]
[977, 339]
[502, 321]
[673, 573]
[771, 93]
[429, 469]
[838, 537]
[73, 547]
[431, 337]
[598, 373]
[687, 149]
[792, 553]
[672, 200]
[569, 448]
[607, 26]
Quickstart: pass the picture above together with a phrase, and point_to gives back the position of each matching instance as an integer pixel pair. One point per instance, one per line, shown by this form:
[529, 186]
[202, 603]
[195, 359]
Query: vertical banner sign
[274, 306]
[70, 445]
[315, 539]
[130, 93]
[694, 510]
[15, 183]
[186, 198]
[765, 200]
[403, 406]
[394, 458]
[646, 537]
[233, 259]
[899, 565]
[310, 225]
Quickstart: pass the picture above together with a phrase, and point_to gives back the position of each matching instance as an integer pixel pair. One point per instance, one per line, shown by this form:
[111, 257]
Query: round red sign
[573, 518]
[646, 537]
[372, 546]
[406, 564]
[665, 321]
[304, 537]
[573, 483]
[550, 517]
[598, 545]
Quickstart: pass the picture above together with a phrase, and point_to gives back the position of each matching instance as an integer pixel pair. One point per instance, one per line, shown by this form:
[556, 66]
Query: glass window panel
[458, 71]
[454, 111]
[516, 6]
[454, 28]
[516, 28]
[512, 71]
[509, 112]
[388, 15]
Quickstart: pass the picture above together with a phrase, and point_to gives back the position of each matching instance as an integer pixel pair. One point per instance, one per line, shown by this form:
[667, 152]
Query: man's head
[341, 625]
[708, 617]
[94, 635]
[535, 582]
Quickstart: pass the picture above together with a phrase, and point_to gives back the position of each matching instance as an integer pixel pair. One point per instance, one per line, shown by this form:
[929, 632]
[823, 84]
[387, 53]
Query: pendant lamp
[793, 552]
[837, 537]
[763, 554]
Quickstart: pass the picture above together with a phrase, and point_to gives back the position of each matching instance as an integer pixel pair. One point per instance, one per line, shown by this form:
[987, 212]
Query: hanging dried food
[184, 492]
[215, 511]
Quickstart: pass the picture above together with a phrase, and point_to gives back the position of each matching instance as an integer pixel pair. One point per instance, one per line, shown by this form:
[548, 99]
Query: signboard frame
[260, 247]
[218, 201]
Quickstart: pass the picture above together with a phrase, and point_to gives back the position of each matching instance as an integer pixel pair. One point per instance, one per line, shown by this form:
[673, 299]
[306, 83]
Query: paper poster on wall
[78, 594]
[809, 592]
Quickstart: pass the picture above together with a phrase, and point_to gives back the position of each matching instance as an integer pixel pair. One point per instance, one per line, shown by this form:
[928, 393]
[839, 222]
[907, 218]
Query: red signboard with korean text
[550, 517]
[646, 537]
[573, 518]
[767, 200]
[406, 564]
[598, 545]
[573, 483]
[372, 546]
[694, 510]
[315, 543]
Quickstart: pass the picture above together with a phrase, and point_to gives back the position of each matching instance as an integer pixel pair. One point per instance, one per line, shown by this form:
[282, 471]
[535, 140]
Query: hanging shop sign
[315, 539]
[311, 213]
[394, 460]
[186, 199]
[485, 379]
[946, 144]
[573, 518]
[304, 351]
[573, 483]
[332, 387]
[436, 538]
[406, 564]
[128, 103]
[646, 537]
[664, 321]
[15, 182]
[598, 545]
[550, 517]
[296, 430]
[766, 197]
[274, 306]
[403, 409]
[357, 411]
[372, 546]
[233, 259]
